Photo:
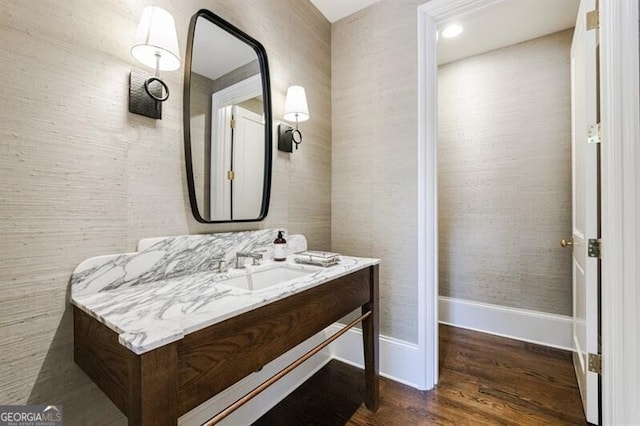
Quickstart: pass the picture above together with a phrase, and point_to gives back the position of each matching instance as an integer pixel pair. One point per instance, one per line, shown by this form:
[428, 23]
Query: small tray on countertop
[318, 258]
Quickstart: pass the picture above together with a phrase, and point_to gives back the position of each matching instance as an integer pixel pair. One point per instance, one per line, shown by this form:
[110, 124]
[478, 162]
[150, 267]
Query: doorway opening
[489, 201]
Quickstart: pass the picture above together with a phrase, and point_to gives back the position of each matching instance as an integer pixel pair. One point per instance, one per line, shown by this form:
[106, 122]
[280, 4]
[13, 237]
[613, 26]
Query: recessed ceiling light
[452, 31]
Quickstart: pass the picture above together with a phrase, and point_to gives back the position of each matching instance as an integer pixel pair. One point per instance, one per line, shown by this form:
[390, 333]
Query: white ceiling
[334, 10]
[216, 52]
[505, 24]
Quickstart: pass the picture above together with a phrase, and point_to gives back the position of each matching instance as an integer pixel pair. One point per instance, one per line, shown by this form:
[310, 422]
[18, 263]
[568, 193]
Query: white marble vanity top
[164, 307]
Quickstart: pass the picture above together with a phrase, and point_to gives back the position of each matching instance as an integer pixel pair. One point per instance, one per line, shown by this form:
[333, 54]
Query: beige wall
[504, 175]
[80, 176]
[374, 166]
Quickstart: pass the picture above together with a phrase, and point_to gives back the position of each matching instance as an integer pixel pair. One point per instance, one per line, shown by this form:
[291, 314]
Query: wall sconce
[156, 46]
[295, 109]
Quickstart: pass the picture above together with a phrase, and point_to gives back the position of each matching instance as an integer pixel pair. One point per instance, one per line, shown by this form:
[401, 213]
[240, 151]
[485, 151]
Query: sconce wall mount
[143, 95]
[287, 137]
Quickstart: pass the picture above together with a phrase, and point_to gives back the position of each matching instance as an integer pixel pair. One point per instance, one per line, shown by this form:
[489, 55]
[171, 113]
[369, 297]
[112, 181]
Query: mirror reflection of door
[228, 137]
[247, 164]
[237, 164]
[219, 194]
[237, 130]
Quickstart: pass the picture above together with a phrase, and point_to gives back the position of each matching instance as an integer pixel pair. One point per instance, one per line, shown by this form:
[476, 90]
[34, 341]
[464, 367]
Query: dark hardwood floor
[484, 380]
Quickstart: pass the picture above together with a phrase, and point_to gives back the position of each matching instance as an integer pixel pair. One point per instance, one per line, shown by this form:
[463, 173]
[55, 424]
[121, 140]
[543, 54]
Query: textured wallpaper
[374, 166]
[80, 176]
[504, 175]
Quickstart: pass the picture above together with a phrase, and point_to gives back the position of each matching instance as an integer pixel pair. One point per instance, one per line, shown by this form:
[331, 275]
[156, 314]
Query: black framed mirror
[227, 122]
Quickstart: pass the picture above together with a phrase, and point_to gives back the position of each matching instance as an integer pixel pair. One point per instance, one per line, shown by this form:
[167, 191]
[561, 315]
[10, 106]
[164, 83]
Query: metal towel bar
[250, 395]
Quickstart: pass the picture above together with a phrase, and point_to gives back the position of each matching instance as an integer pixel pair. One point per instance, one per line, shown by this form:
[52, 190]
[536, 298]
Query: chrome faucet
[241, 255]
[222, 264]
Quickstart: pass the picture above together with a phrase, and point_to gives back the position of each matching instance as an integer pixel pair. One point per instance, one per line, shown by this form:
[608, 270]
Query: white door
[584, 100]
[248, 164]
[221, 149]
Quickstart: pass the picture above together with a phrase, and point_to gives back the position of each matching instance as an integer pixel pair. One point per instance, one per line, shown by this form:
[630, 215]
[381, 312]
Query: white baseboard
[530, 326]
[399, 360]
[258, 406]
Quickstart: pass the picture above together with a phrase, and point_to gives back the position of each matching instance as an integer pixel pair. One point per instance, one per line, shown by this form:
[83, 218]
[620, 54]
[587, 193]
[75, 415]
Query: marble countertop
[152, 315]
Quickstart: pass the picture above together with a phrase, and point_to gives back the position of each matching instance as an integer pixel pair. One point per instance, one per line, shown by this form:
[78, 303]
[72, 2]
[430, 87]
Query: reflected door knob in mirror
[566, 243]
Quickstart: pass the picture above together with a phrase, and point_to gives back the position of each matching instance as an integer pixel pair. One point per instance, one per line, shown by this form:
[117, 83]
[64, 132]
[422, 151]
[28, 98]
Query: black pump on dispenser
[280, 248]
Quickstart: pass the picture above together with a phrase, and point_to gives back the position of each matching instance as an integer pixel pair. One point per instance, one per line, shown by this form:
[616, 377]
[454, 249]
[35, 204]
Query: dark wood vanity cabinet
[157, 387]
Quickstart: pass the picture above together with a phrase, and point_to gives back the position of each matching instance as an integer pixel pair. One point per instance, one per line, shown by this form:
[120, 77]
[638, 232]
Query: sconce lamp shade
[295, 105]
[156, 38]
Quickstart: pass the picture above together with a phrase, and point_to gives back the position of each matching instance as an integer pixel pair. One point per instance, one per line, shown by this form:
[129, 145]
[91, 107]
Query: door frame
[620, 150]
[620, 199]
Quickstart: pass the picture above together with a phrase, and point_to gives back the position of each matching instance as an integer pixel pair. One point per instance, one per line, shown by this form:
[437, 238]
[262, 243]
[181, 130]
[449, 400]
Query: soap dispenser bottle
[279, 248]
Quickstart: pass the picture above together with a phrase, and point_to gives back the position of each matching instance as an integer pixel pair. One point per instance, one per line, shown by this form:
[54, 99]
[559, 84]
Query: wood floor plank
[484, 380]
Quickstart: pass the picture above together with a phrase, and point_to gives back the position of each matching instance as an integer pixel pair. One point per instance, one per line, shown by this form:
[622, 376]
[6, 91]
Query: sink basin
[265, 278]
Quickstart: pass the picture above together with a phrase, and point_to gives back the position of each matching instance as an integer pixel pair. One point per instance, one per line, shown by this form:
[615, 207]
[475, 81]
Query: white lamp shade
[157, 35]
[295, 104]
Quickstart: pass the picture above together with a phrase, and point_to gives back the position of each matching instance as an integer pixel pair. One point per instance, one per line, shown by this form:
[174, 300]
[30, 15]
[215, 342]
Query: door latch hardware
[593, 20]
[593, 133]
[593, 249]
[231, 175]
[595, 363]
